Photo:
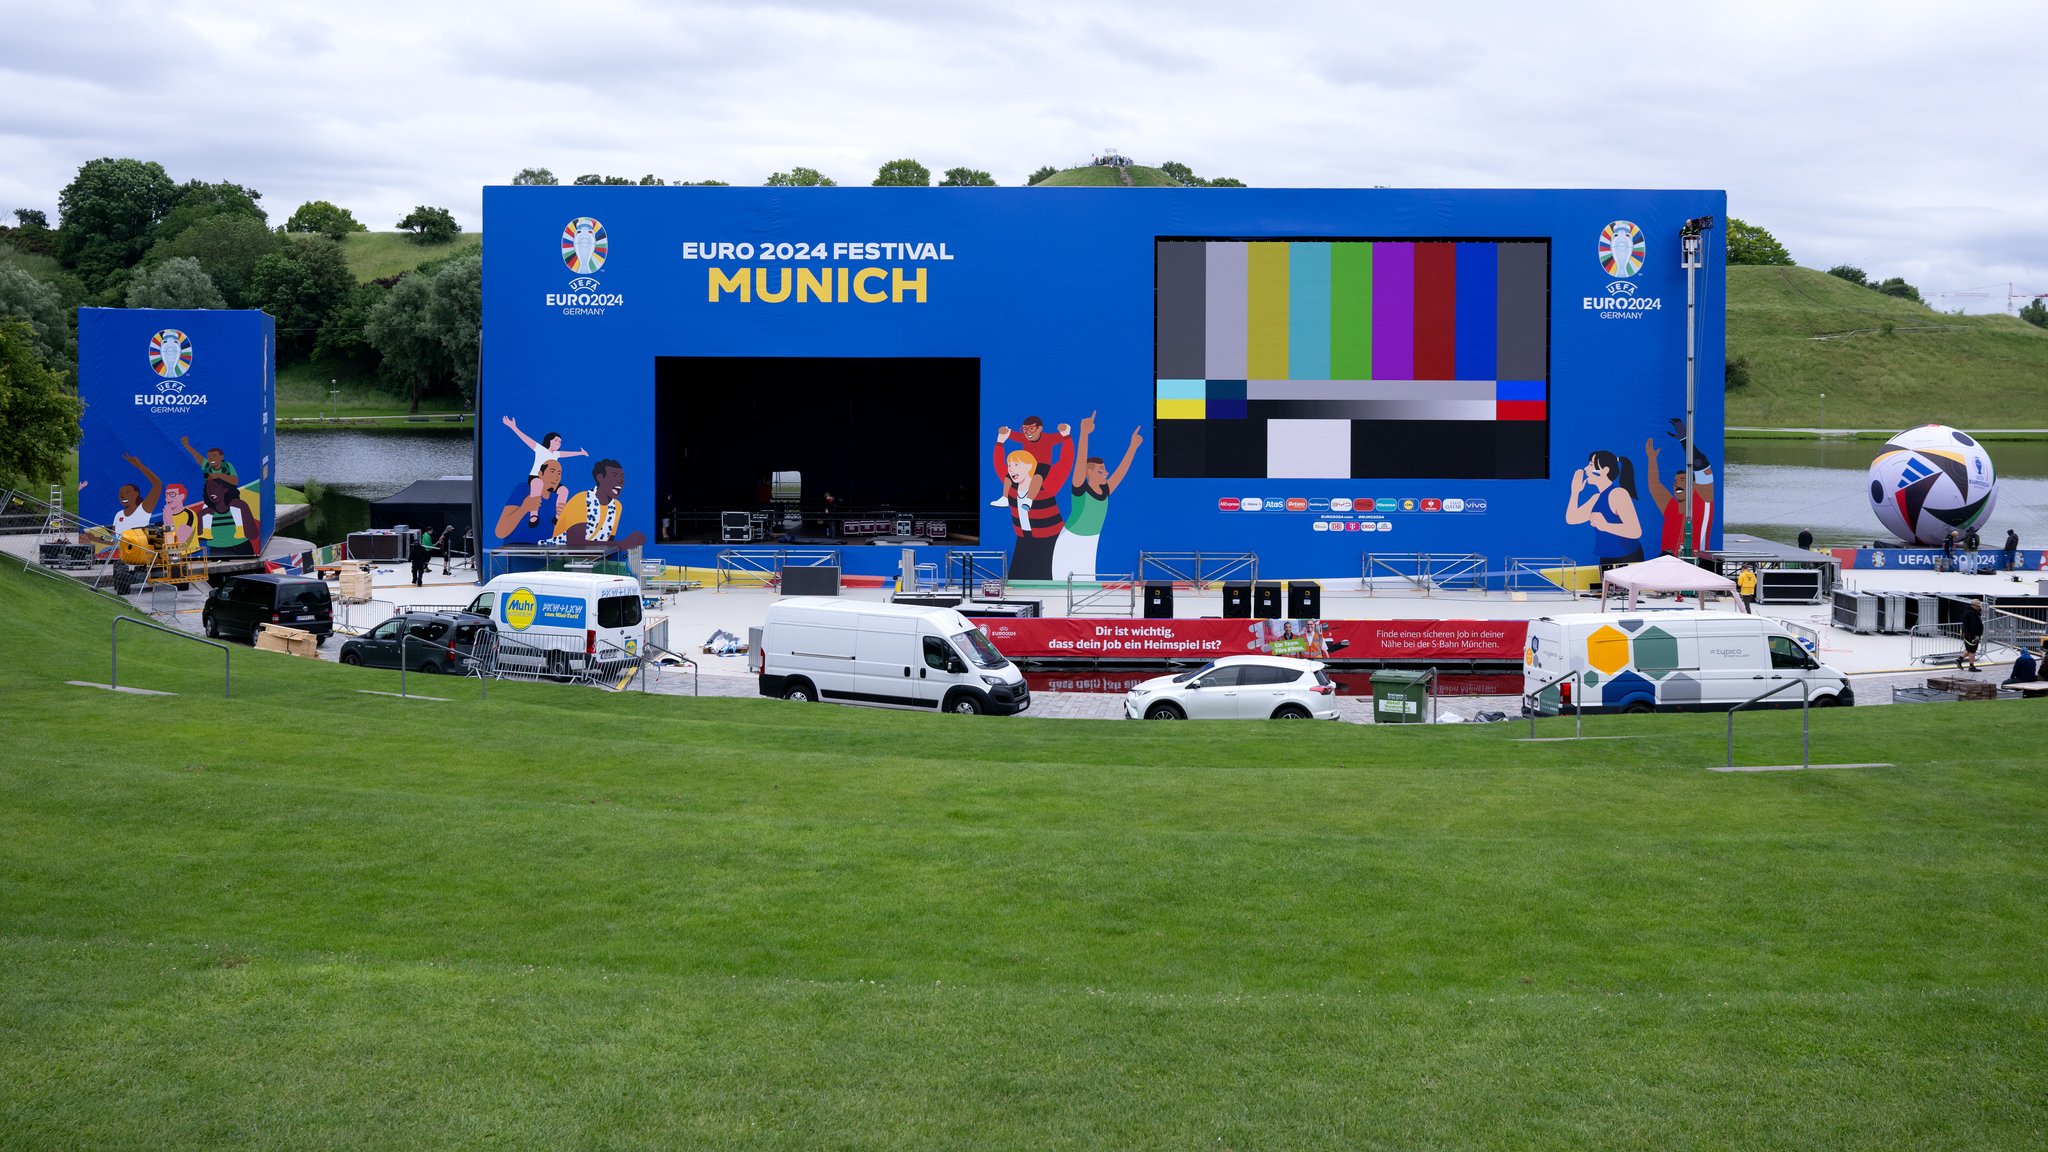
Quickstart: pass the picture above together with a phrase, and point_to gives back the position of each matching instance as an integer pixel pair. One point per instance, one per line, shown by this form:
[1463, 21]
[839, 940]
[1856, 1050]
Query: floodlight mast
[1689, 239]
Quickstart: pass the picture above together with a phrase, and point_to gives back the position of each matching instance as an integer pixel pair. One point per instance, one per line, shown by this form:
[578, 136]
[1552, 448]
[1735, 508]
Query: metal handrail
[406, 637]
[652, 650]
[1805, 718]
[114, 660]
[1578, 705]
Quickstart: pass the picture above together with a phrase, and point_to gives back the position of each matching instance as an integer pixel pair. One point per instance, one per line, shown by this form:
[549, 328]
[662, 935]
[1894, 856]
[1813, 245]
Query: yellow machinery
[161, 561]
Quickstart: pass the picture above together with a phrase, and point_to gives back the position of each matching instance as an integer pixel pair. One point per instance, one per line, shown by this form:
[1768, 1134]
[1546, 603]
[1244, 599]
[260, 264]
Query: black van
[237, 604]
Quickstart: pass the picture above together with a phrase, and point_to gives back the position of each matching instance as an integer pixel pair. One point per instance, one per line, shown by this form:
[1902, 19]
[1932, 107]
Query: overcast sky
[1905, 139]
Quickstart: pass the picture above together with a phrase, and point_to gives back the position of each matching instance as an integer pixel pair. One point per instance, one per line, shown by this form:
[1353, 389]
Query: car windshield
[1187, 676]
[979, 649]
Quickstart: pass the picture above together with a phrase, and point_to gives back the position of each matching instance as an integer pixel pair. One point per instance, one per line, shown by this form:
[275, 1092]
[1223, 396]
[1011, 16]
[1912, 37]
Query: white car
[1238, 688]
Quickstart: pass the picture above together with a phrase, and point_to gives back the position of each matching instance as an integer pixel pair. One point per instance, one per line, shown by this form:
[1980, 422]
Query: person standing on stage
[422, 555]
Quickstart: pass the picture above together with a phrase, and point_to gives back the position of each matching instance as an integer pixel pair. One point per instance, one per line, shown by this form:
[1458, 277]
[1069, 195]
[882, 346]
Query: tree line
[903, 173]
[130, 236]
[1749, 244]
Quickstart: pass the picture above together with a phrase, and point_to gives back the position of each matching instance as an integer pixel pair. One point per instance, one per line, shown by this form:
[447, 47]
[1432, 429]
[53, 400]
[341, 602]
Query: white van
[861, 652]
[1671, 662]
[563, 623]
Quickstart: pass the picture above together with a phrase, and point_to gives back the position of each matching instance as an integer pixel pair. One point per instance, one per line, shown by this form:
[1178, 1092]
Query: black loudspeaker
[1237, 600]
[1304, 600]
[1266, 600]
[811, 580]
[1158, 601]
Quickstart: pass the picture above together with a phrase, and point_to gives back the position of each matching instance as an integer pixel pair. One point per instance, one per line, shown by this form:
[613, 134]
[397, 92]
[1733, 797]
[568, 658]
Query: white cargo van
[563, 623]
[1671, 662]
[860, 652]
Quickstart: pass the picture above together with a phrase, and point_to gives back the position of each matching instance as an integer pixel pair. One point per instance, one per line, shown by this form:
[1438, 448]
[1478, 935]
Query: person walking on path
[2010, 560]
[1745, 585]
[446, 546]
[1948, 551]
[1973, 632]
[422, 555]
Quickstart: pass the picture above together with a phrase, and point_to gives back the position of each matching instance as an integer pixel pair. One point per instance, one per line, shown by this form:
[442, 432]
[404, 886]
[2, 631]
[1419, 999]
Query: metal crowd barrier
[1425, 571]
[1199, 570]
[1100, 595]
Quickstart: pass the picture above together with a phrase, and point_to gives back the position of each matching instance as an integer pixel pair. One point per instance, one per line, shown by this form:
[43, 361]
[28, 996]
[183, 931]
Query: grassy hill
[1882, 362]
[375, 255]
[310, 917]
[1094, 176]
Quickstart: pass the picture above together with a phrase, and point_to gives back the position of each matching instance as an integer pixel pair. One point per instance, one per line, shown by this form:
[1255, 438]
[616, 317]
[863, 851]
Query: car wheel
[558, 665]
[212, 626]
[351, 659]
[965, 704]
[1831, 700]
[799, 691]
[1165, 712]
[1638, 707]
[430, 668]
[1291, 712]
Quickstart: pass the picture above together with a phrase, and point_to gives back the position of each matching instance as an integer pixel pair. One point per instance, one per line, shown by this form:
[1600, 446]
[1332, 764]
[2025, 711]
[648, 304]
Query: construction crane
[1985, 292]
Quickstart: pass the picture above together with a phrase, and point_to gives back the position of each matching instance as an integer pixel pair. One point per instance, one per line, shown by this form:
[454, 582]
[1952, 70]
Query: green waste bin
[1400, 697]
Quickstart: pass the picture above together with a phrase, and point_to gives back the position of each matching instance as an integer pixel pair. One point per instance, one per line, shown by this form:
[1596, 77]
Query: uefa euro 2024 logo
[584, 249]
[584, 245]
[1621, 249]
[170, 354]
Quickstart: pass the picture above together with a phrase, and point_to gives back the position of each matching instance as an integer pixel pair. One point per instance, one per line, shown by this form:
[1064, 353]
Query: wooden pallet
[1964, 687]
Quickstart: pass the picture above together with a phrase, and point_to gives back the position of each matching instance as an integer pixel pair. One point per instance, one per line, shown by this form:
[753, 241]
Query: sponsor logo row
[1352, 526]
[1346, 504]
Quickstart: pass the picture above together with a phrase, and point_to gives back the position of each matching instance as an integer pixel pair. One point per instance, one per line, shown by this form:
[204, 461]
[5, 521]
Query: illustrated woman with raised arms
[1604, 496]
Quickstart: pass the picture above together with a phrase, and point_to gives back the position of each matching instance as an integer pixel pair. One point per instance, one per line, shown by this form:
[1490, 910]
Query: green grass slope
[1094, 176]
[309, 917]
[1806, 333]
[376, 255]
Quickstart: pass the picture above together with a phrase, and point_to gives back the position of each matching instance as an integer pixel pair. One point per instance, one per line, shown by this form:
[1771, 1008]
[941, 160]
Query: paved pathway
[727, 676]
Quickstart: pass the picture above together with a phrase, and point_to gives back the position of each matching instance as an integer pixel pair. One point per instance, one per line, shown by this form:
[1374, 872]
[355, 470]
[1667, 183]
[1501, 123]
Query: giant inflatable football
[1929, 480]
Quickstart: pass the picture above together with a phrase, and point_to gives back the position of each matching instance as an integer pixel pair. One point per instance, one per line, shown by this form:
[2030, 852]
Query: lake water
[355, 468]
[1771, 488]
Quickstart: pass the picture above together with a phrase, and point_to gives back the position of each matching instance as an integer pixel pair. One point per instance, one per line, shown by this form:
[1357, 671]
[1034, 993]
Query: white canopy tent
[1665, 574]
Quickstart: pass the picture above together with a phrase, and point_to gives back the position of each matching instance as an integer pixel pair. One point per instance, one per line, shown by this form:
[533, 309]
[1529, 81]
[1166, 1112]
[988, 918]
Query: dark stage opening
[888, 437]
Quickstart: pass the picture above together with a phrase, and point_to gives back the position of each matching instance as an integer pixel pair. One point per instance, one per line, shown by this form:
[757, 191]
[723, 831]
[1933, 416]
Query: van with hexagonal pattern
[1671, 661]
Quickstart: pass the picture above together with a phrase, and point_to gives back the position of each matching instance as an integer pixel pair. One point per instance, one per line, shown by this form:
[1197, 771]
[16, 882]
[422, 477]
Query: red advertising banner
[1025, 638]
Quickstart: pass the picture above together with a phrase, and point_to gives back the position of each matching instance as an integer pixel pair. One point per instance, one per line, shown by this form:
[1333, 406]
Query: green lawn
[739, 923]
[1093, 176]
[302, 394]
[376, 255]
[34, 263]
[309, 917]
[1970, 371]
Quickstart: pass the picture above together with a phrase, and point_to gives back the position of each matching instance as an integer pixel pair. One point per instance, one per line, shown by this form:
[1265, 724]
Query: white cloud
[1894, 137]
